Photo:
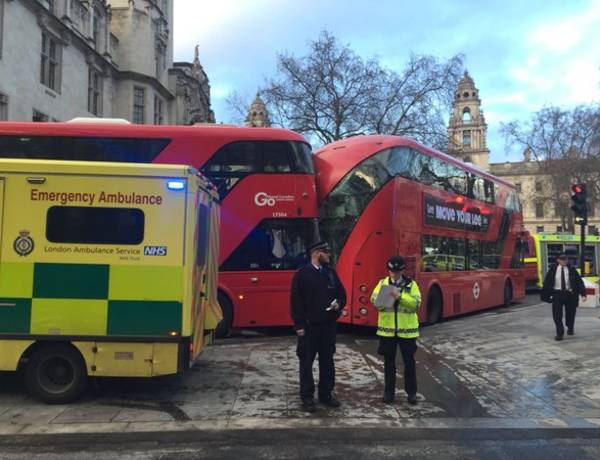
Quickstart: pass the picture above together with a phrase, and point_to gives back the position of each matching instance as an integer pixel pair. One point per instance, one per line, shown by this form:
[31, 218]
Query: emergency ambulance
[106, 269]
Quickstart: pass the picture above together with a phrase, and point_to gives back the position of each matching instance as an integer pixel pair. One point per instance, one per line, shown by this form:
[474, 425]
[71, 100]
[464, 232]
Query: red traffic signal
[580, 205]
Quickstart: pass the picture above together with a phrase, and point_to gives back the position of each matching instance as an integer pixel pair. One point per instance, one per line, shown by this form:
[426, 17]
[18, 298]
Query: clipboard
[384, 298]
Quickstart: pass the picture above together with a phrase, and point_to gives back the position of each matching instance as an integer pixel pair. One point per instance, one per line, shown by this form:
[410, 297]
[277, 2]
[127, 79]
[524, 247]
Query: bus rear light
[241, 297]
[364, 300]
[363, 288]
[363, 311]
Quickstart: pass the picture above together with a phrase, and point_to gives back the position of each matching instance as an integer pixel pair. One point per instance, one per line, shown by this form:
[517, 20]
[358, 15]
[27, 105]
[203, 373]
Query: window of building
[539, 229]
[1, 25]
[50, 66]
[538, 186]
[518, 187]
[275, 244]
[96, 27]
[158, 111]
[539, 209]
[466, 138]
[49, 5]
[39, 116]
[3, 106]
[593, 230]
[559, 228]
[159, 61]
[94, 91]
[139, 104]
[134, 150]
[592, 209]
[85, 225]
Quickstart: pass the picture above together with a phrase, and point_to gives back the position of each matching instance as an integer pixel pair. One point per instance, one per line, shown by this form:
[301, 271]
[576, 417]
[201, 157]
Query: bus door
[369, 268]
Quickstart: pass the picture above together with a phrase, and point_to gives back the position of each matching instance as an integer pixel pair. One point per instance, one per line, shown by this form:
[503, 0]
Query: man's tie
[563, 284]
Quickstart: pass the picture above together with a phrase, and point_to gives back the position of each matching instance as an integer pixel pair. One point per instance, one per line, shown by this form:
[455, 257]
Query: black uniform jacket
[575, 282]
[312, 292]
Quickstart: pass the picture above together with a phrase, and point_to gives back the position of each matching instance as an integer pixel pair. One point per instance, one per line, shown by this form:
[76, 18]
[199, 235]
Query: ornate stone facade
[192, 92]
[467, 127]
[258, 115]
[61, 59]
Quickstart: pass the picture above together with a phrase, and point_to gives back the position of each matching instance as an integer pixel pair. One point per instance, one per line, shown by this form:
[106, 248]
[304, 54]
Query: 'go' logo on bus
[262, 199]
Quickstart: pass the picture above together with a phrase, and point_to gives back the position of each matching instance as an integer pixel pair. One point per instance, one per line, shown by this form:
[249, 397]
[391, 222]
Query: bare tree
[566, 146]
[332, 93]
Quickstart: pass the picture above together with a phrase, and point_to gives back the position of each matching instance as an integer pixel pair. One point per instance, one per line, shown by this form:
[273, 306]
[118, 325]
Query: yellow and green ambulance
[106, 269]
[543, 249]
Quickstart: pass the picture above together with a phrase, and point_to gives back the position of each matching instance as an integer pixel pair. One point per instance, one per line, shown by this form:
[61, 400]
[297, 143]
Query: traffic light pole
[582, 253]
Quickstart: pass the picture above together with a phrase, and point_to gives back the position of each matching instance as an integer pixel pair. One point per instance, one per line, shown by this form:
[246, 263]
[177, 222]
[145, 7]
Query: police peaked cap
[320, 246]
[396, 264]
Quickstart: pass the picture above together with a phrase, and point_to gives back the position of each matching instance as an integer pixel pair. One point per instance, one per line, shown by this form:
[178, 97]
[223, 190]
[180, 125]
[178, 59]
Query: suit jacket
[575, 281]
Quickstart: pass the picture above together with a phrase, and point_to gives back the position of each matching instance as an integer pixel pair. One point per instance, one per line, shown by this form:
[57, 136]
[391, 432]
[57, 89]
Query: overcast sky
[522, 54]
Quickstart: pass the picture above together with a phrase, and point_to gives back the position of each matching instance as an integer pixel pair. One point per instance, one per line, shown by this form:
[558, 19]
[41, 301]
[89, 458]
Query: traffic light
[580, 206]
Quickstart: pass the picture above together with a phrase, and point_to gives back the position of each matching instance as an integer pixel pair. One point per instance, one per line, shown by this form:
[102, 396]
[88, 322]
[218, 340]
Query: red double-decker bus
[265, 178]
[457, 226]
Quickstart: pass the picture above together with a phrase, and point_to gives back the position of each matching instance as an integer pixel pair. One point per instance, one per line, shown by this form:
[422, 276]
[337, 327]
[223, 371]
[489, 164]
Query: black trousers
[319, 340]
[568, 300]
[388, 347]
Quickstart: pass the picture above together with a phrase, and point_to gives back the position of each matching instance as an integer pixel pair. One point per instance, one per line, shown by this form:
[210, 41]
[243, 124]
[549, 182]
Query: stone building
[258, 116]
[467, 128]
[61, 59]
[467, 141]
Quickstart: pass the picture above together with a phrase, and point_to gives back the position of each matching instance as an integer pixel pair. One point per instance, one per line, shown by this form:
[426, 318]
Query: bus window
[474, 254]
[490, 255]
[441, 254]
[275, 244]
[76, 224]
[138, 150]
[276, 157]
[302, 158]
[237, 160]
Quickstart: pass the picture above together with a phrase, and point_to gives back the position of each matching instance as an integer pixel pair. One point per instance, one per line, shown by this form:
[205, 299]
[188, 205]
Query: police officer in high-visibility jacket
[398, 326]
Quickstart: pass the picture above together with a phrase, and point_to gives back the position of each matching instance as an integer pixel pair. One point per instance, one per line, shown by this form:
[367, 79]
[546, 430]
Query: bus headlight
[363, 311]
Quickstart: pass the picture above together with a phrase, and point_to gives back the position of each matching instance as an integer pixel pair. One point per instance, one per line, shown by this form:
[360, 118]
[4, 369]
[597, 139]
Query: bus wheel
[224, 327]
[508, 294]
[434, 306]
[56, 374]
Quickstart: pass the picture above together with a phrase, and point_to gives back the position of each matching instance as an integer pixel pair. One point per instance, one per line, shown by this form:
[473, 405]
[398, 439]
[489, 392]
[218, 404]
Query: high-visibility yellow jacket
[403, 321]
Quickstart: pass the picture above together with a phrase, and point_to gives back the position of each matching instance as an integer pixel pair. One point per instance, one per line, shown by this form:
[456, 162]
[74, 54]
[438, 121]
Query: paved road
[491, 385]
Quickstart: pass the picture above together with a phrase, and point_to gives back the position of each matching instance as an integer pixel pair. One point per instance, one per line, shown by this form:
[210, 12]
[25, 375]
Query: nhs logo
[155, 250]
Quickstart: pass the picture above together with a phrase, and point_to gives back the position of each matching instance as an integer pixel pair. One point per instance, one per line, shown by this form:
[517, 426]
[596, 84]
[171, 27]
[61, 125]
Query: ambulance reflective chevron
[106, 269]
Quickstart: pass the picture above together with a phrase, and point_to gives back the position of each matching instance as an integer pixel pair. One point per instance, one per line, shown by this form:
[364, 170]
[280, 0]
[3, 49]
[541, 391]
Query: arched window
[466, 115]
[468, 159]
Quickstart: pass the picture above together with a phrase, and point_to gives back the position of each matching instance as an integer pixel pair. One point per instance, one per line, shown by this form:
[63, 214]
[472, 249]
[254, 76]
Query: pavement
[499, 371]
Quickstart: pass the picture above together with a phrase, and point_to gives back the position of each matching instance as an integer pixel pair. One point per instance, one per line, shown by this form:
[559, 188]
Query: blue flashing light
[176, 184]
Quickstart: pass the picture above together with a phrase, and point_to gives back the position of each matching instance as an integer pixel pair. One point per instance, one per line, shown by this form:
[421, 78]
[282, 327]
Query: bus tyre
[224, 327]
[434, 306]
[507, 294]
[56, 374]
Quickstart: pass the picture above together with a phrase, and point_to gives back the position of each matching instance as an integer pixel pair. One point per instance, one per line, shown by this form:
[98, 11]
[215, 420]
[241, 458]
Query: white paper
[384, 298]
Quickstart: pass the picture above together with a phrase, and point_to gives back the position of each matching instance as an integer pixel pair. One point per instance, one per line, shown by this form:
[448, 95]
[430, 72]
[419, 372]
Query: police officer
[317, 300]
[398, 326]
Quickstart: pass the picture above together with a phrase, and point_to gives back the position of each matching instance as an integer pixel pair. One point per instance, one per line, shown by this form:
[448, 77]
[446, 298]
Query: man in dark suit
[317, 300]
[562, 287]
